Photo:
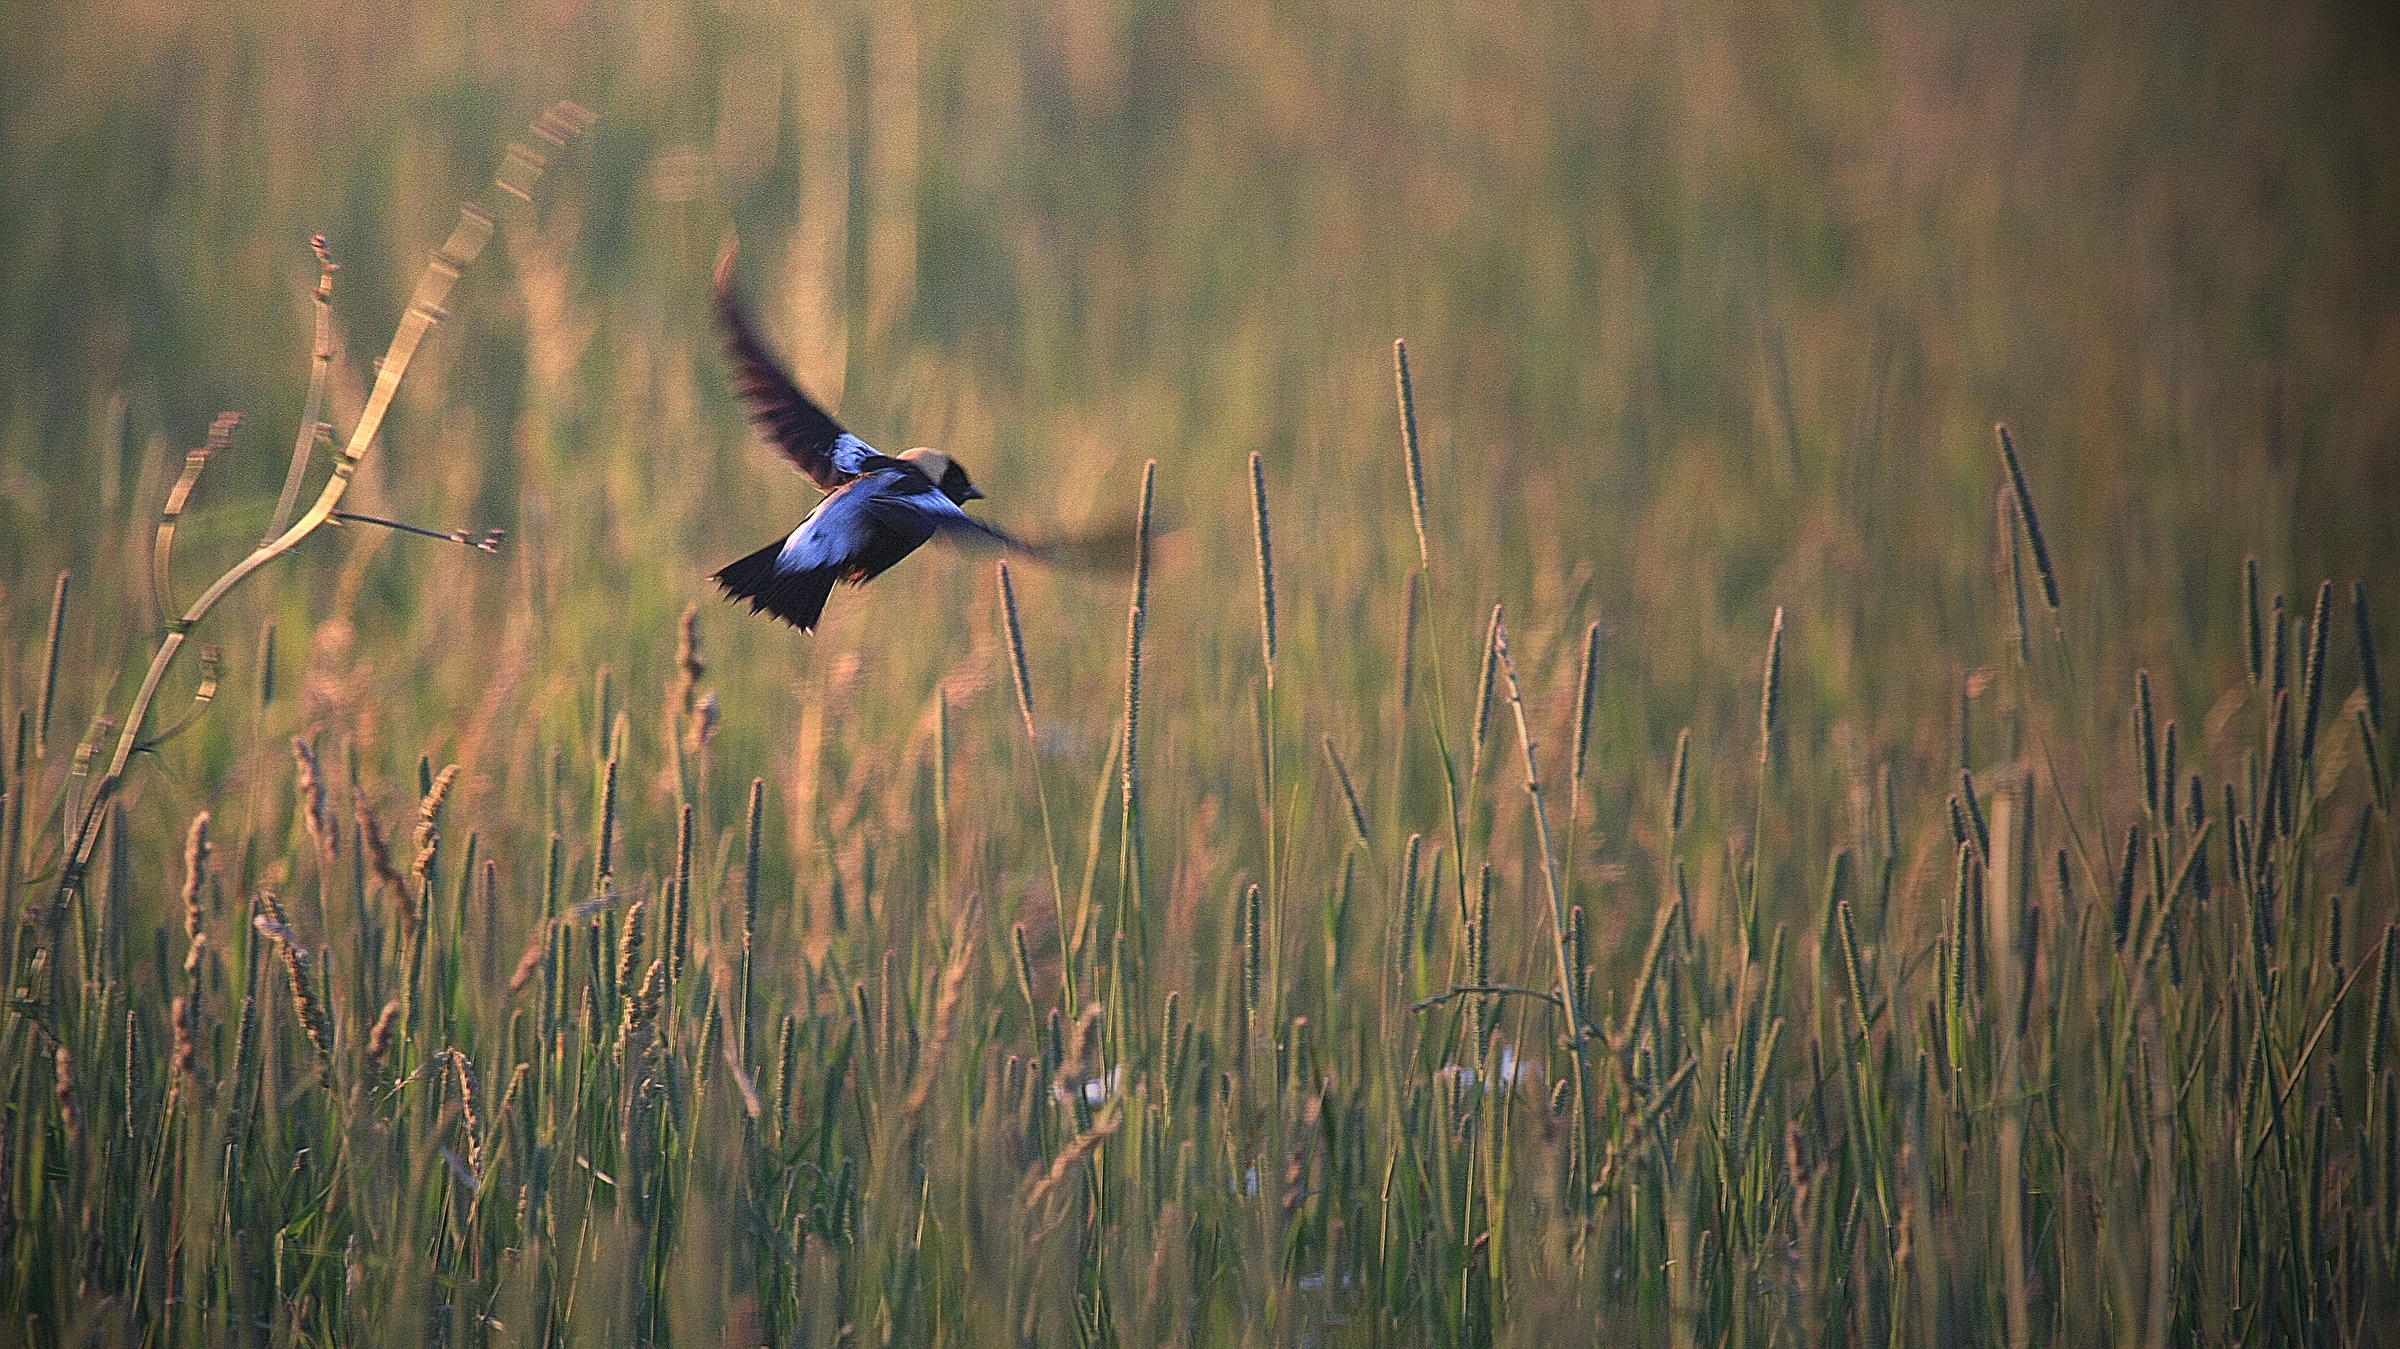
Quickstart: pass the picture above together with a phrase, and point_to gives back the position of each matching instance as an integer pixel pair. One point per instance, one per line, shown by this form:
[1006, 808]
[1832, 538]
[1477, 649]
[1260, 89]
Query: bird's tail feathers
[796, 597]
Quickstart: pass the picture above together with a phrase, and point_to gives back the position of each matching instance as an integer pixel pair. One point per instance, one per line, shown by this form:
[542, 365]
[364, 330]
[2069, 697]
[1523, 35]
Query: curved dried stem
[220, 435]
[320, 374]
[466, 242]
[212, 667]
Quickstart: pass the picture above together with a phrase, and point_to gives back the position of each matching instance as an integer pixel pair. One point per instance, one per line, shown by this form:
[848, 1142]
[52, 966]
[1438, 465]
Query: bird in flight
[877, 509]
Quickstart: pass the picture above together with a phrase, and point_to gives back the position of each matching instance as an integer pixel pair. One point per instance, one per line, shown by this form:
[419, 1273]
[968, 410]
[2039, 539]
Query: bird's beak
[974, 493]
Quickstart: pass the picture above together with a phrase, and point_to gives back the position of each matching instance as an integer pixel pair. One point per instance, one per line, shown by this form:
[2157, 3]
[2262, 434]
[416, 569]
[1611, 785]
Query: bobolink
[877, 510]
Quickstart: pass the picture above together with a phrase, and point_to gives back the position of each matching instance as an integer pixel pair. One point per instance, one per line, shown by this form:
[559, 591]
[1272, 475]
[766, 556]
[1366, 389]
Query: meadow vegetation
[1801, 761]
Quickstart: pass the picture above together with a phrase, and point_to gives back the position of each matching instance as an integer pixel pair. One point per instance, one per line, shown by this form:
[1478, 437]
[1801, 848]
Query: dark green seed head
[1264, 539]
[1679, 784]
[1016, 935]
[2033, 521]
[2278, 660]
[2312, 701]
[2121, 918]
[1253, 944]
[1853, 969]
[1974, 804]
[1586, 694]
[2145, 734]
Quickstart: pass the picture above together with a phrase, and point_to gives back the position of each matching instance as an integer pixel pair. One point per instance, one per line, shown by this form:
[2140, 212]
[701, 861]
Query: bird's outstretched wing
[928, 513]
[814, 442]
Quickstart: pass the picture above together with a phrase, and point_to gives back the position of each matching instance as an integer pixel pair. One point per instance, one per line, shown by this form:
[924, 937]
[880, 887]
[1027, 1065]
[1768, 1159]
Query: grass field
[1953, 906]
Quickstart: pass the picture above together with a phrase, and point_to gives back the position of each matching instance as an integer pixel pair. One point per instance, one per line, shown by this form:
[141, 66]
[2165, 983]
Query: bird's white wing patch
[929, 505]
[937, 513]
[850, 454]
[833, 533]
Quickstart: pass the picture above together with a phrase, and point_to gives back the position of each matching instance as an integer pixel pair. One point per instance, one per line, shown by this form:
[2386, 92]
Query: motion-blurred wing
[928, 513]
[814, 442]
[1106, 549]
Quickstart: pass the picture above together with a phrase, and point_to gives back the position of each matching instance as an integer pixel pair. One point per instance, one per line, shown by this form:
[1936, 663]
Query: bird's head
[944, 472]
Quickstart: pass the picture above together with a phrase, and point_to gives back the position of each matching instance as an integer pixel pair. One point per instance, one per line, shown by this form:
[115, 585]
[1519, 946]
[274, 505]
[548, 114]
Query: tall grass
[1797, 940]
[2033, 1121]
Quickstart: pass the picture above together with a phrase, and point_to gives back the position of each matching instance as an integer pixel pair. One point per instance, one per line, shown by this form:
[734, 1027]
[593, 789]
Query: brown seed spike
[1771, 696]
[629, 948]
[379, 860]
[429, 820]
[1408, 442]
[195, 868]
[312, 801]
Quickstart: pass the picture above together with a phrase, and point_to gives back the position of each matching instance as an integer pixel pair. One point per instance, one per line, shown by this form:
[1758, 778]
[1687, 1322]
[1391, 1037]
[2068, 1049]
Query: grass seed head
[313, 812]
[1679, 782]
[379, 861]
[1341, 773]
[2312, 703]
[1483, 688]
[1253, 947]
[2145, 734]
[1408, 443]
[2032, 519]
[2370, 682]
[629, 948]
[195, 869]
[50, 656]
[1135, 620]
[1587, 692]
[2121, 917]
[429, 821]
[1265, 541]
[1016, 652]
[1771, 695]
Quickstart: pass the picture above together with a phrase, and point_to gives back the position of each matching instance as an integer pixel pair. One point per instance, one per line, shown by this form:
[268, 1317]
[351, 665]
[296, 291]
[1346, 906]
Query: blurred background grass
[1711, 312]
[1708, 303]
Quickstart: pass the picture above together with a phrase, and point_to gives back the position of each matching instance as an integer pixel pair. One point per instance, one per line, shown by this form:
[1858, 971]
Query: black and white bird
[877, 510]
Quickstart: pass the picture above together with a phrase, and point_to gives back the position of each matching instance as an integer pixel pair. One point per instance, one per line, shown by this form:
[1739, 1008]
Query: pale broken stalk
[517, 177]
